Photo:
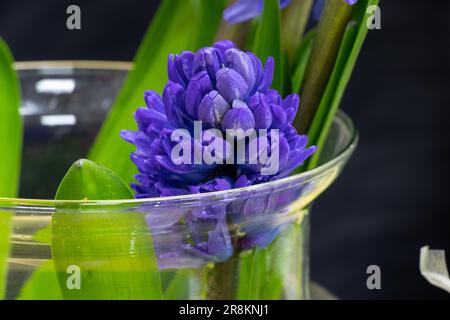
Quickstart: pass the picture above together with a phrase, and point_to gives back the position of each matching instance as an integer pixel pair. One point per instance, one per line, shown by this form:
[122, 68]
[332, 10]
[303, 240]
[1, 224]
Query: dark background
[391, 199]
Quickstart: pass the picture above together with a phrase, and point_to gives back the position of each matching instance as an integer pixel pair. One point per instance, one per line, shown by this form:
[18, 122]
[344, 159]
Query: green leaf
[284, 276]
[350, 48]
[44, 235]
[10, 125]
[186, 285]
[275, 272]
[87, 180]
[303, 55]
[252, 274]
[112, 248]
[210, 15]
[177, 26]
[268, 40]
[42, 285]
[10, 150]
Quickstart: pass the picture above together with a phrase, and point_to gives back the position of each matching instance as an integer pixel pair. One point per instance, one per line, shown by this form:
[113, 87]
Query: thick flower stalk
[319, 4]
[223, 89]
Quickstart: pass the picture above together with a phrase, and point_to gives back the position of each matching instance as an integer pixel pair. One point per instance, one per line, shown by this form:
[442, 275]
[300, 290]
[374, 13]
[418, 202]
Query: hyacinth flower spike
[226, 89]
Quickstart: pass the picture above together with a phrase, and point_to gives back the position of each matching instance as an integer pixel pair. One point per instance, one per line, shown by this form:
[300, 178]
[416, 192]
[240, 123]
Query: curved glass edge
[288, 182]
[77, 64]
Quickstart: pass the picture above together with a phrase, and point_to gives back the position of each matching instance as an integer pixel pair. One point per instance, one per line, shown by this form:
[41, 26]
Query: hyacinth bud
[197, 88]
[279, 117]
[242, 64]
[261, 110]
[239, 117]
[231, 85]
[153, 101]
[213, 108]
[209, 59]
[173, 98]
[290, 106]
[179, 67]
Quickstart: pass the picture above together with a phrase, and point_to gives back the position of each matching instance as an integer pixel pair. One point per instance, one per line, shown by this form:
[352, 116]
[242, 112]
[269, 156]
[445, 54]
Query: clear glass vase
[249, 243]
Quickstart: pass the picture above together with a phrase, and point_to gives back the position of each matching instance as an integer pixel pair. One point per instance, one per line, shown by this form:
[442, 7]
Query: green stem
[294, 20]
[235, 32]
[326, 45]
[222, 283]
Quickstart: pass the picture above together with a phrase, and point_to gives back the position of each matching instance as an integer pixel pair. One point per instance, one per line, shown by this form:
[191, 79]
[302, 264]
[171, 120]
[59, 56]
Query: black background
[391, 199]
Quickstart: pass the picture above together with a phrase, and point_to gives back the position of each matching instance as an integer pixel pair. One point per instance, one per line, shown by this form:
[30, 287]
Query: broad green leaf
[176, 27]
[268, 40]
[112, 249]
[210, 13]
[302, 60]
[10, 125]
[42, 285]
[350, 48]
[87, 180]
[10, 150]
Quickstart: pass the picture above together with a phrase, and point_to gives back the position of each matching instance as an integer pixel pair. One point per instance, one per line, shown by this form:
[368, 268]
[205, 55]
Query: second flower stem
[223, 279]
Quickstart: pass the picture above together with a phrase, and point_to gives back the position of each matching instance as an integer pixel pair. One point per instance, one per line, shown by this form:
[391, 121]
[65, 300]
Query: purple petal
[242, 64]
[213, 108]
[296, 159]
[224, 45]
[261, 111]
[242, 10]
[179, 67]
[242, 182]
[209, 60]
[257, 65]
[284, 3]
[219, 242]
[143, 118]
[217, 184]
[279, 120]
[273, 96]
[238, 118]
[198, 87]
[290, 105]
[231, 85]
[267, 79]
[153, 101]
[173, 98]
